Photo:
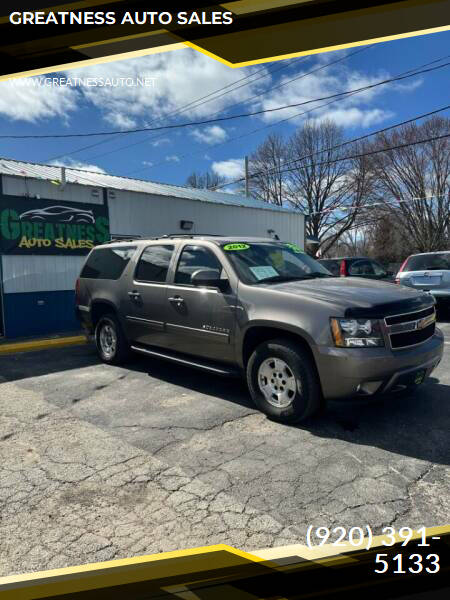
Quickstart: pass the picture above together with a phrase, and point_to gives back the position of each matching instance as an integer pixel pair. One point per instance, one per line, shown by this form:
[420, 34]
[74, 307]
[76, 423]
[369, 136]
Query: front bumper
[353, 372]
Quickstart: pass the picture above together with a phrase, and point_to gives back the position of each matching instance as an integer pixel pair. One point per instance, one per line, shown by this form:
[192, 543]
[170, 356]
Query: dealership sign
[35, 226]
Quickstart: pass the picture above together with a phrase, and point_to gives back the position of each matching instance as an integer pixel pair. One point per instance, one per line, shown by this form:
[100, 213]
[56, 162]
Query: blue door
[2, 329]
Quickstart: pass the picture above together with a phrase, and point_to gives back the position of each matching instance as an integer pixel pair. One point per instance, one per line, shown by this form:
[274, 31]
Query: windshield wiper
[281, 278]
[319, 274]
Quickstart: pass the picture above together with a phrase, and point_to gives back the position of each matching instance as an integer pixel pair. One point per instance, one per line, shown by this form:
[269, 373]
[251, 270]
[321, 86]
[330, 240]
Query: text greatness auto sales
[123, 18]
[71, 227]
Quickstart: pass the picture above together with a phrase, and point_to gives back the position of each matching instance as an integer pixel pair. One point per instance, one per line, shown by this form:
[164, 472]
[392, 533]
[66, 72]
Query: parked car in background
[428, 272]
[357, 266]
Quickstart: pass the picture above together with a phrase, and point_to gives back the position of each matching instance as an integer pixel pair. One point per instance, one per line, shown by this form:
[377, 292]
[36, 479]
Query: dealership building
[51, 216]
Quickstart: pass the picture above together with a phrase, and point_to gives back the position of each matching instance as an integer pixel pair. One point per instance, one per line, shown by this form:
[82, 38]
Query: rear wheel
[283, 381]
[112, 345]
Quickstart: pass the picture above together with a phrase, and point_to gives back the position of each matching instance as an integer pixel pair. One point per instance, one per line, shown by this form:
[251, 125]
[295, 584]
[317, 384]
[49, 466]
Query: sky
[177, 80]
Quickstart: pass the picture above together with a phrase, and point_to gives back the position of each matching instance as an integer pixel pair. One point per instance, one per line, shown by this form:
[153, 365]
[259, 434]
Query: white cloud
[354, 110]
[180, 77]
[147, 163]
[25, 100]
[213, 134]
[160, 142]
[232, 168]
[120, 120]
[173, 158]
[76, 164]
[356, 117]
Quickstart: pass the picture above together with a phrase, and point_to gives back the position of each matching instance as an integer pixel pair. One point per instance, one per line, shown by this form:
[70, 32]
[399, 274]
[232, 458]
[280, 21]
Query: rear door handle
[176, 299]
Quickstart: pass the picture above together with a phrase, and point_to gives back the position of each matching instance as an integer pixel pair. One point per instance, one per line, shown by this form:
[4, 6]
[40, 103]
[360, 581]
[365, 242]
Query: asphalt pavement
[101, 462]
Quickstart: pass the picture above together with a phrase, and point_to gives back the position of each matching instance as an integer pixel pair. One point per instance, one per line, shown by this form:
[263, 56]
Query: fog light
[368, 388]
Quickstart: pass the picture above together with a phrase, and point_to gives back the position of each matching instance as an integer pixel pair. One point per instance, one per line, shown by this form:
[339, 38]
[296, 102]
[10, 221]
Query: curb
[33, 345]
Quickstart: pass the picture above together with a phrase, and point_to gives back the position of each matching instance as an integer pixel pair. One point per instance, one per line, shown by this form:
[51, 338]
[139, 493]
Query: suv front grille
[411, 329]
[403, 340]
[410, 316]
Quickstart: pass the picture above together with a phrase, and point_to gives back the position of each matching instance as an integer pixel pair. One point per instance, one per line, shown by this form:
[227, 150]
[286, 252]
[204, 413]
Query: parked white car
[428, 272]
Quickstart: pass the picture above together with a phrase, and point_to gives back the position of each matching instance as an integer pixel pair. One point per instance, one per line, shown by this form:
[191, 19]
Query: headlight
[357, 333]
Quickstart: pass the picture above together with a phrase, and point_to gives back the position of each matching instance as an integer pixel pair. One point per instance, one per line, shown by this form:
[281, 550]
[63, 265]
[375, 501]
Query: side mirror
[208, 278]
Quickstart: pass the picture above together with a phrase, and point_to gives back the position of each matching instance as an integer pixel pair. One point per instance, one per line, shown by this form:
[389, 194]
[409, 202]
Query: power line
[95, 156]
[342, 58]
[361, 155]
[358, 139]
[282, 120]
[374, 204]
[251, 98]
[258, 129]
[198, 102]
[92, 181]
[185, 107]
[222, 119]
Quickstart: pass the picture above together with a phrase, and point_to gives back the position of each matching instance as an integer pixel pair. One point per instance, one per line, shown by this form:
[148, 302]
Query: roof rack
[190, 235]
[121, 239]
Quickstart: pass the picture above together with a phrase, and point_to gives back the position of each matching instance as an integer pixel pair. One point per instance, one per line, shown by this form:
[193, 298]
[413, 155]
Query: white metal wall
[131, 213]
[22, 186]
[33, 273]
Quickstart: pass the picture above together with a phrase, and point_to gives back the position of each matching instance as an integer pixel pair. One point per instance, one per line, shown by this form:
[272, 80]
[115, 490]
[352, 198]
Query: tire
[298, 394]
[119, 350]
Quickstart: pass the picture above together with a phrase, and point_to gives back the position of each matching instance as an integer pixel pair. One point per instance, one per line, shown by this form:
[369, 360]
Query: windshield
[429, 262]
[265, 262]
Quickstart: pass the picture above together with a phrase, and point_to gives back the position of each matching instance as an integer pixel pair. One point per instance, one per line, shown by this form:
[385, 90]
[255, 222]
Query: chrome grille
[411, 329]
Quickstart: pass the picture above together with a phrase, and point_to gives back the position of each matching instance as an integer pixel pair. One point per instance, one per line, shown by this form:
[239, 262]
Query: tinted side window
[192, 259]
[331, 265]
[154, 264]
[360, 267]
[378, 269]
[107, 263]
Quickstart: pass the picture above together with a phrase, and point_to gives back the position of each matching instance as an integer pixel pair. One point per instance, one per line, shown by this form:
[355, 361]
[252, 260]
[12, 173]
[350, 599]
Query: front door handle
[177, 299]
[134, 295]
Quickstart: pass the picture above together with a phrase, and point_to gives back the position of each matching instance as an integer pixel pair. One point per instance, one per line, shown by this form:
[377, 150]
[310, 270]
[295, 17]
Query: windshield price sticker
[236, 247]
[295, 248]
[264, 272]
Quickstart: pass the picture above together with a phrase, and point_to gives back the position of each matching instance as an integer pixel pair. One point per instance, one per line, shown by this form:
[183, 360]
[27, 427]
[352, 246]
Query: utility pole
[246, 176]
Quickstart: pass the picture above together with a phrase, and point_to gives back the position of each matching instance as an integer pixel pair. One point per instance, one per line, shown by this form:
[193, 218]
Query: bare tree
[386, 241]
[355, 241]
[324, 184]
[414, 181]
[208, 180]
[266, 170]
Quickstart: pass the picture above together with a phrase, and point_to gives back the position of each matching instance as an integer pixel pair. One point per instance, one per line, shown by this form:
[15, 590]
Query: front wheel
[283, 381]
[112, 345]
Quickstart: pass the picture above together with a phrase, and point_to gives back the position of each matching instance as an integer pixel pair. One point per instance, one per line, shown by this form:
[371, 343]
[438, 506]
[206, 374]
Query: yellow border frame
[114, 572]
[377, 40]
[96, 575]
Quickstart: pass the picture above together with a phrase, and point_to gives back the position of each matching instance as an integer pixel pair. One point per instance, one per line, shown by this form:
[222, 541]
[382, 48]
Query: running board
[188, 362]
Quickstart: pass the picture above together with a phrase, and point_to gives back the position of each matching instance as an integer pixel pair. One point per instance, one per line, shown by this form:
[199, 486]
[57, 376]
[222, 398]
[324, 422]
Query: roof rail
[122, 239]
[166, 236]
[190, 235]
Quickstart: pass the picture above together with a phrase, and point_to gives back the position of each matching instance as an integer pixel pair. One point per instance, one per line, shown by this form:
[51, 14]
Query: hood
[359, 297]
